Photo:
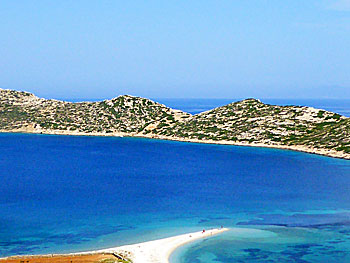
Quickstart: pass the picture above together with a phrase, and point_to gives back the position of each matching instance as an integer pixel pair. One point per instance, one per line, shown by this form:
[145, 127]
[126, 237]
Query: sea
[62, 194]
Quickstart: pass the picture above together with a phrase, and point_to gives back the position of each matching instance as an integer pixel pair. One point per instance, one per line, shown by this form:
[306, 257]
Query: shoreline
[296, 148]
[146, 252]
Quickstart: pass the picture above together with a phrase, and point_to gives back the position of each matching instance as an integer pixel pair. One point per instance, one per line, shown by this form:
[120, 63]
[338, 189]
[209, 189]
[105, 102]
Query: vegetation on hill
[125, 114]
[249, 121]
[252, 121]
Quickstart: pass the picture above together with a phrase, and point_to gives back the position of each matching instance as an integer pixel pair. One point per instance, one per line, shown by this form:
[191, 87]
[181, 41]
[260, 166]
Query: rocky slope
[124, 114]
[252, 121]
[247, 122]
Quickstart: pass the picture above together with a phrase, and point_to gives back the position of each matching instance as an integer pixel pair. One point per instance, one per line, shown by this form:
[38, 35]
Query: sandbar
[156, 251]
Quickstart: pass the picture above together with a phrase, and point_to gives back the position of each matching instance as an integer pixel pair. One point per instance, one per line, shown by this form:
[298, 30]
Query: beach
[299, 148]
[156, 251]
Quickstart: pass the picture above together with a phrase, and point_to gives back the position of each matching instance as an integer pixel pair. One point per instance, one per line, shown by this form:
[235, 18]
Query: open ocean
[75, 193]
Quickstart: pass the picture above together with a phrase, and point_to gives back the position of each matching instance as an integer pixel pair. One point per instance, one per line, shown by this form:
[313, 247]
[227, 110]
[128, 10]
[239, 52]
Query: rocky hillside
[245, 122]
[252, 121]
[124, 114]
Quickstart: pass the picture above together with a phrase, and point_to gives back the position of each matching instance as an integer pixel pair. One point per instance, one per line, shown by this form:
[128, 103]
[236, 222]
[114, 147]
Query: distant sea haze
[194, 106]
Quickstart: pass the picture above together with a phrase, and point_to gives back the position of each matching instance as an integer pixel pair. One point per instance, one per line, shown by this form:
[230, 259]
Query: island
[248, 122]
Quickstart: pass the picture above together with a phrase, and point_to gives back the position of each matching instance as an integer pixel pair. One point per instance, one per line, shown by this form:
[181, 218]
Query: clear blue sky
[176, 49]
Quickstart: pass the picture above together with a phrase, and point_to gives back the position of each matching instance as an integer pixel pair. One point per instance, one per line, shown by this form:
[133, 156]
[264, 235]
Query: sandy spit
[156, 251]
[159, 251]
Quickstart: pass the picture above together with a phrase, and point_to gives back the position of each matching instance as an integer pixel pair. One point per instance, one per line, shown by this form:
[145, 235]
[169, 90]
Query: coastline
[146, 252]
[297, 148]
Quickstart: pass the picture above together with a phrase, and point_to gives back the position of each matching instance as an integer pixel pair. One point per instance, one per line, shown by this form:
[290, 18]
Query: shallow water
[272, 244]
[69, 193]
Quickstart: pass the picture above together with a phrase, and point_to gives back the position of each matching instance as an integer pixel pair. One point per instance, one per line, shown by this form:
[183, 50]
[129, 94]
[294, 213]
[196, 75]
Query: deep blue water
[69, 193]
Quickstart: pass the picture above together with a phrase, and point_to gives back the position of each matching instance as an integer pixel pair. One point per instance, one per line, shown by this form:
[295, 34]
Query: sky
[176, 49]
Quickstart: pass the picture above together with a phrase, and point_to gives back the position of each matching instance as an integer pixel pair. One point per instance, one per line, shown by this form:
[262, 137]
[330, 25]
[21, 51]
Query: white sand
[158, 251]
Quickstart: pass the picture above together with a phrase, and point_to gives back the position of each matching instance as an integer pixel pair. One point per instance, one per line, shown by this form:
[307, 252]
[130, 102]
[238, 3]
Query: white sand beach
[158, 251]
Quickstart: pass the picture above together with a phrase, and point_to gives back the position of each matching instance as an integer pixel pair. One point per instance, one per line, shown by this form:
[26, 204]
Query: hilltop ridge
[123, 114]
[247, 122]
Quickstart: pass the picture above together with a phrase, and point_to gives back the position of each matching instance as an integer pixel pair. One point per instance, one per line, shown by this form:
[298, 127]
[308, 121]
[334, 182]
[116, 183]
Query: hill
[22, 111]
[247, 122]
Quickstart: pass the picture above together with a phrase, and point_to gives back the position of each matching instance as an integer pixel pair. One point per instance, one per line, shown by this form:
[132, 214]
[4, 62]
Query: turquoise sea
[74, 193]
